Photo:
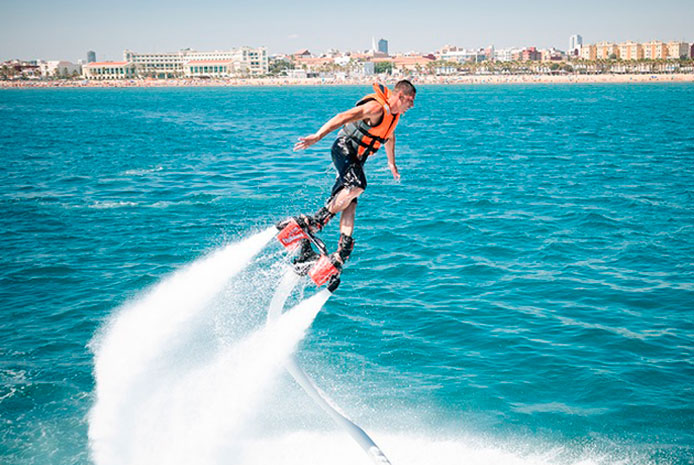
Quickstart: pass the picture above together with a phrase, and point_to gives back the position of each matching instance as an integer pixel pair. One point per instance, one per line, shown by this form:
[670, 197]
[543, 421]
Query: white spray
[166, 391]
[319, 397]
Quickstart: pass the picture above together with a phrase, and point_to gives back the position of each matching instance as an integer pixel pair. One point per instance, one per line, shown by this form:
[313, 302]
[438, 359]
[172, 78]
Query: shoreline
[421, 80]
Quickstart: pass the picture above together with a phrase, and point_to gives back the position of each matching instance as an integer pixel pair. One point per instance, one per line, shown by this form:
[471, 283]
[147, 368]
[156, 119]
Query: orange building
[654, 50]
[606, 50]
[589, 52]
[630, 50]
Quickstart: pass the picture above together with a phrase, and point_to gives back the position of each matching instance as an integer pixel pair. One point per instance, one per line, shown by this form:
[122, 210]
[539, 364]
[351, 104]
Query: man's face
[403, 103]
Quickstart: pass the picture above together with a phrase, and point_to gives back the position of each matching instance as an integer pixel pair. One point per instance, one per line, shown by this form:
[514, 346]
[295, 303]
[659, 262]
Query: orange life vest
[366, 138]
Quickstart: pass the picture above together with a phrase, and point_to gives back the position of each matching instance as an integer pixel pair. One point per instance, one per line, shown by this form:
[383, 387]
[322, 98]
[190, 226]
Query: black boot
[319, 219]
[334, 283]
[312, 223]
[344, 248]
[306, 258]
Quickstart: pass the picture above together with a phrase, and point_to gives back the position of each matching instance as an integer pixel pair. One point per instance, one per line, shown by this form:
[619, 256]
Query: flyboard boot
[299, 232]
[329, 267]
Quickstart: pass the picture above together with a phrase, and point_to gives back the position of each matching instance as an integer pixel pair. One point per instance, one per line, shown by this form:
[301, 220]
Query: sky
[67, 29]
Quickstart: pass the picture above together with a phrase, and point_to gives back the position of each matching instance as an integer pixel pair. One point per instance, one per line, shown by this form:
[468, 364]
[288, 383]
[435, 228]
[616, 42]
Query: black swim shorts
[350, 169]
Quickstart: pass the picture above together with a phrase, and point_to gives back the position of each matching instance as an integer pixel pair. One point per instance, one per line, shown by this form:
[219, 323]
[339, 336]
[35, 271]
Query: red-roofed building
[408, 63]
[312, 63]
[107, 70]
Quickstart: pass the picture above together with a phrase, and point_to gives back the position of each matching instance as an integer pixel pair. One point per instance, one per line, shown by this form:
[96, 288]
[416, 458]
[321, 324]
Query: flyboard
[324, 270]
[320, 267]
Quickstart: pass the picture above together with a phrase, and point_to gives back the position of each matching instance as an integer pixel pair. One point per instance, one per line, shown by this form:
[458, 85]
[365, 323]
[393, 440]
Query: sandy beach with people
[318, 81]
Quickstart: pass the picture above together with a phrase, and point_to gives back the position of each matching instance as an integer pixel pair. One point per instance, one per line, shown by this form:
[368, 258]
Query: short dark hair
[405, 87]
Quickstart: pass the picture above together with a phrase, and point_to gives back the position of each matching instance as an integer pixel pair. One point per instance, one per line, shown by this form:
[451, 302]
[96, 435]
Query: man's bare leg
[344, 198]
[347, 219]
[345, 202]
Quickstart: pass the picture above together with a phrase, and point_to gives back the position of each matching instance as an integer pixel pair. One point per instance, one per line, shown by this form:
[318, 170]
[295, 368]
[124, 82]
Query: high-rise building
[575, 44]
[91, 56]
[383, 46]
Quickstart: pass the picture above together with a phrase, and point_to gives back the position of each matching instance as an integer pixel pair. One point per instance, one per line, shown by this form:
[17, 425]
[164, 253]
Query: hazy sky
[66, 29]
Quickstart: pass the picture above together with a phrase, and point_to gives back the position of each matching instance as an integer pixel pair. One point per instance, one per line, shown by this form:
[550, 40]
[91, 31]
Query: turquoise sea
[525, 295]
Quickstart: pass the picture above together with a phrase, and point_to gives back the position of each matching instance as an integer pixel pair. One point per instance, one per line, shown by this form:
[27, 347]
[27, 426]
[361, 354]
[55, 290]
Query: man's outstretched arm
[390, 153]
[368, 110]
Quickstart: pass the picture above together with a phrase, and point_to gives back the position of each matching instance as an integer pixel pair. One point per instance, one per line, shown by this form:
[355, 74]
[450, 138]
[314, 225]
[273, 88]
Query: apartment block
[654, 50]
[606, 50]
[677, 50]
[589, 52]
[630, 51]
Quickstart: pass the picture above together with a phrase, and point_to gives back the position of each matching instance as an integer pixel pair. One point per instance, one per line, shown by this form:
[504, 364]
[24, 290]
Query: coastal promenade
[318, 81]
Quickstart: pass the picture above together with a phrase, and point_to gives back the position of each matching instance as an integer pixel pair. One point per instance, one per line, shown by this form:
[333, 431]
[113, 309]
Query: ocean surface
[524, 295]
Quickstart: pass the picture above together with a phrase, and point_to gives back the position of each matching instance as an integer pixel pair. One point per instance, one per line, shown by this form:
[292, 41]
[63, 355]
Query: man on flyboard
[364, 128]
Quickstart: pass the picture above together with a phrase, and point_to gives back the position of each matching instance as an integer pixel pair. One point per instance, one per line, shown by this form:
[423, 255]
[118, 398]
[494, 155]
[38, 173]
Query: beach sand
[318, 81]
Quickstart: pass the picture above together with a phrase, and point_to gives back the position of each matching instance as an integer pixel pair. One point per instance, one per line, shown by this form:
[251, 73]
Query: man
[364, 128]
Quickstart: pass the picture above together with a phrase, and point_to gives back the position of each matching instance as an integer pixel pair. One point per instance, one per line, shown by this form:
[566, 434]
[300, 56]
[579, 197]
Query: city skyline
[68, 32]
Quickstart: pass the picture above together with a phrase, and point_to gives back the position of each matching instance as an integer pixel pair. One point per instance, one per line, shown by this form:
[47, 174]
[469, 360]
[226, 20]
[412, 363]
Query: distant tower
[383, 46]
[575, 44]
[91, 56]
[373, 44]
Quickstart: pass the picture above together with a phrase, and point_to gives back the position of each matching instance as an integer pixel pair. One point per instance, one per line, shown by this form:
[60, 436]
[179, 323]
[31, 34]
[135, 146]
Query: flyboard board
[324, 269]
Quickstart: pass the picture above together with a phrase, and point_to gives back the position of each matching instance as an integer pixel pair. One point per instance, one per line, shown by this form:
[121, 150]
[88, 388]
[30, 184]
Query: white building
[209, 68]
[368, 68]
[156, 65]
[246, 61]
[461, 55]
[506, 54]
[108, 70]
[253, 61]
[342, 60]
[297, 74]
[58, 68]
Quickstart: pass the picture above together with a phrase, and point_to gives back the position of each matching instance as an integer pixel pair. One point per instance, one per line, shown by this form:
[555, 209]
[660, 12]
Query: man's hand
[305, 142]
[394, 170]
